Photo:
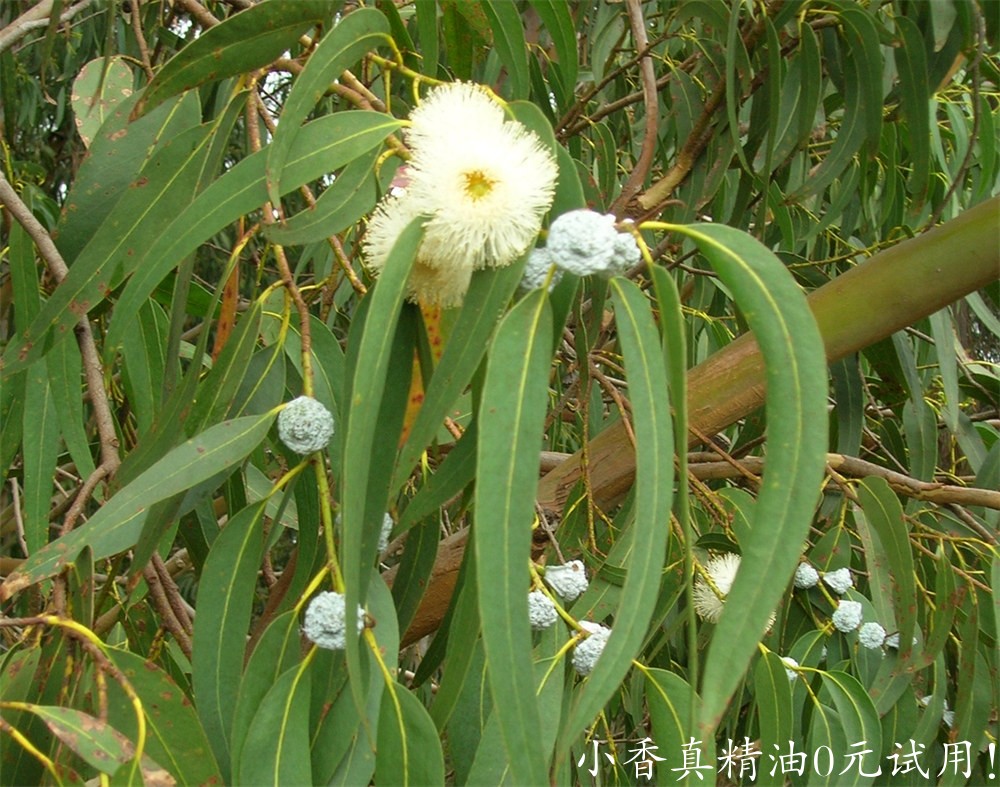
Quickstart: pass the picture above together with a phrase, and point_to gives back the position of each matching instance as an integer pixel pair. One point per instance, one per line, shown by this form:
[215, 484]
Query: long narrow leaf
[512, 413]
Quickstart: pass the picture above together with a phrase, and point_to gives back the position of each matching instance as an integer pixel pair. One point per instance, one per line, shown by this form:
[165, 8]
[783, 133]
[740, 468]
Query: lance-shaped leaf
[511, 418]
[368, 362]
[320, 147]
[118, 524]
[246, 41]
[355, 34]
[777, 313]
[647, 389]
[225, 602]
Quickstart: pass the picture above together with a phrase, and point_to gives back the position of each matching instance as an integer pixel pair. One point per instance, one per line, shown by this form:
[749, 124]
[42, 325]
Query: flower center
[478, 184]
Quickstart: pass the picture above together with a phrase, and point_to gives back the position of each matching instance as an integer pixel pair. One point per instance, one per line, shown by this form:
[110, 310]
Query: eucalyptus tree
[492, 391]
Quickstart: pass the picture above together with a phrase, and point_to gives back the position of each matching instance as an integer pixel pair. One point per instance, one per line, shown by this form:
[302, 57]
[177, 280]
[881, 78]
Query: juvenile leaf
[513, 411]
[118, 524]
[244, 42]
[100, 86]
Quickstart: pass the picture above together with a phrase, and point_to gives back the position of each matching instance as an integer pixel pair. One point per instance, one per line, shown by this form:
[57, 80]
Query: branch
[84, 336]
[730, 384]
[652, 106]
[36, 18]
[907, 282]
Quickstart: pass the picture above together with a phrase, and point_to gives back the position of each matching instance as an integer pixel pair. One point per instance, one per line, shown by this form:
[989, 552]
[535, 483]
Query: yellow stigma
[477, 184]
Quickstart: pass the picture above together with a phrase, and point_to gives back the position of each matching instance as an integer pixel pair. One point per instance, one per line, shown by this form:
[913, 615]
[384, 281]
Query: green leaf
[885, 515]
[144, 362]
[508, 38]
[915, 96]
[860, 723]
[513, 411]
[320, 147]
[174, 735]
[558, 20]
[41, 452]
[246, 41]
[117, 154]
[100, 86]
[368, 364]
[850, 405]
[169, 179]
[453, 475]
[95, 741]
[341, 205]
[409, 748]
[225, 603]
[488, 295]
[670, 698]
[276, 651]
[65, 372]
[783, 326]
[276, 750]
[647, 386]
[851, 134]
[861, 35]
[773, 695]
[118, 524]
[350, 39]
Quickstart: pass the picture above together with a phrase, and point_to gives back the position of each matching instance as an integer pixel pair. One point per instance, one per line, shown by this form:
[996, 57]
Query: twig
[205, 17]
[267, 215]
[18, 519]
[82, 495]
[140, 39]
[649, 98]
[166, 611]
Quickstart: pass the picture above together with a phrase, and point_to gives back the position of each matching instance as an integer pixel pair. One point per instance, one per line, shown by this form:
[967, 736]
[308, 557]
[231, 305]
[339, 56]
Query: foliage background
[159, 543]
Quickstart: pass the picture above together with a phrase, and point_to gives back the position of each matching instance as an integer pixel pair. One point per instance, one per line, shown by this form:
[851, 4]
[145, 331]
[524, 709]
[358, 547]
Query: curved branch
[651, 104]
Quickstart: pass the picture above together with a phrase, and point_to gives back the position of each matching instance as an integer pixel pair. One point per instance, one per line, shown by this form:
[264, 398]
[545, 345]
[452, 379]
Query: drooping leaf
[647, 381]
[225, 602]
[513, 408]
[785, 329]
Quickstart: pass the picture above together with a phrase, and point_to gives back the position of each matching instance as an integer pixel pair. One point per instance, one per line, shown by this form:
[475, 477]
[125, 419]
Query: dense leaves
[762, 445]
